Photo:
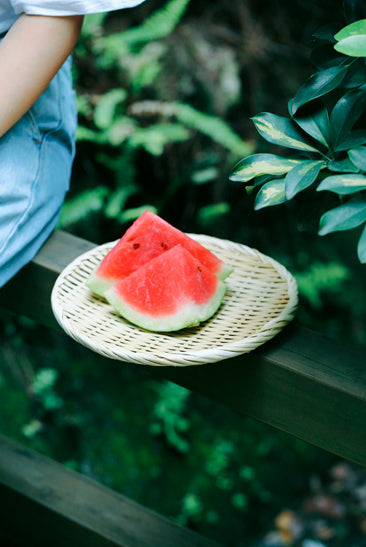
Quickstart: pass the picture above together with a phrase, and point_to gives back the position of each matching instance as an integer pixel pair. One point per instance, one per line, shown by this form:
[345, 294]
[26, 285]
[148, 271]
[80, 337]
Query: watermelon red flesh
[148, 237]
[168, 293]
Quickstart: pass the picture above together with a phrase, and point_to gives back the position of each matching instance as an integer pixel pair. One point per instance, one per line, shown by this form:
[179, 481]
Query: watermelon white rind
[169, 293]
[224, 271]
[98, 284]
[189, 315]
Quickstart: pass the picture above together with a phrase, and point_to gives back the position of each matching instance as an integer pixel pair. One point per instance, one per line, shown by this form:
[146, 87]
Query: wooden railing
[300, 382]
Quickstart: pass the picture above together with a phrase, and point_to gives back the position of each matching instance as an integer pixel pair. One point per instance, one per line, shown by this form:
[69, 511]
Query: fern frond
[211, 126]
[80, 207]
[159, 25]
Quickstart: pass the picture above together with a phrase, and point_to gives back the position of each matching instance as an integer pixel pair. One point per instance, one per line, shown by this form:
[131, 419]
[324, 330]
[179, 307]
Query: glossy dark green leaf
[345, 113]
[353, 140]
[319, 84]
[317, 125]
[261, 164]
[358, 157]
[326, 32]
[361, 247]
[344, 217]
[343, 184]
[342, 166]
[282, 131]
[354, 46]
[258, 181]
[356, 76]
[301, 177]
[325, 56]
[271, 193]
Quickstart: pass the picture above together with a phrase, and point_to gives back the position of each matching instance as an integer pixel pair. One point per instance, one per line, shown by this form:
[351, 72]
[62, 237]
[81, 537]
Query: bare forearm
[30, 55]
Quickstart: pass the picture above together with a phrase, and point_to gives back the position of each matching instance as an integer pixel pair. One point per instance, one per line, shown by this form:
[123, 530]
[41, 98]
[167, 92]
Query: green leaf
[158, 25]
[154, 138]
[326, 33]
[345, 113]
[324, 56]
[354, 46]
[261, 164]
[358, 27]
[301, 177]
[271, 193]
[280, 130]
[358, 157]
[353, 140]
[319, 84]
[212, 126]
[132, 214]
[85, 134]
[209, 214]
[361, 247]
[104, 113]
[205, 175]
[92, 23]
[356, 75]
[344, 217]
[317, 125]
[121, 130]
[118, 199]
[343, 184]
[80, 207]
[342, 166]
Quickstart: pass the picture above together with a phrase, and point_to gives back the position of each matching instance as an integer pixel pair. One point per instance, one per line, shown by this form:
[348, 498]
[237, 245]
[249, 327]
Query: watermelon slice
[148, 237]
[170, 292]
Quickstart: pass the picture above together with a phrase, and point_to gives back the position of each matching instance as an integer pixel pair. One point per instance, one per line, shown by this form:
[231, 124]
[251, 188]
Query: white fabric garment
[11, 9]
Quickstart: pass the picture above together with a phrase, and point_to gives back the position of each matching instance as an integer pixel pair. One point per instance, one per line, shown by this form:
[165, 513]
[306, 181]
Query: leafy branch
[326, 129]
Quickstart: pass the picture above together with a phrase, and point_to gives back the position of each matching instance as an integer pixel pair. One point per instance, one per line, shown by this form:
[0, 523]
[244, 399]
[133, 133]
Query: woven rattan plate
[261, 299]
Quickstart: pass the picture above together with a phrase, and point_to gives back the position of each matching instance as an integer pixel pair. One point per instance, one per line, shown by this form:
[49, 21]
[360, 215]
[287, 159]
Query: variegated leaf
[342, 166]
[282, 131]
[343, 184]
[261, 164]
[361, 247]
[271, 193]
[302, 176]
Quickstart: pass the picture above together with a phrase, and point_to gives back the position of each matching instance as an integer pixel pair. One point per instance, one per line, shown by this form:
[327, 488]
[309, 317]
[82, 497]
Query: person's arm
[31, 53]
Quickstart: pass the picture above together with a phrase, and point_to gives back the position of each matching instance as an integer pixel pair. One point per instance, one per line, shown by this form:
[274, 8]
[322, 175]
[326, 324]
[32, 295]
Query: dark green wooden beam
[300, 382]
[45, 505]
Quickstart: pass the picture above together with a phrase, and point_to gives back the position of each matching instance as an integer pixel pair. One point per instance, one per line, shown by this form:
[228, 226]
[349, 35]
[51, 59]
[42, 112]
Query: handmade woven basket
[260, 300]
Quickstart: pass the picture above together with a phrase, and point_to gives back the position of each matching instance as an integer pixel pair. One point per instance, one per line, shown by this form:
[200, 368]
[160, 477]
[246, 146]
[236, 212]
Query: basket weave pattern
[260, 300]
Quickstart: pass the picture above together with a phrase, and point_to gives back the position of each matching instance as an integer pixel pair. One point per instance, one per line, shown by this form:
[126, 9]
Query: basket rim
[179, 358]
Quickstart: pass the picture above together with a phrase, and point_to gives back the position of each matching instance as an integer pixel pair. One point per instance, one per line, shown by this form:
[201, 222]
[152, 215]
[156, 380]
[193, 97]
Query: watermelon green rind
[190, 315]
[224, 271]
[99, 285]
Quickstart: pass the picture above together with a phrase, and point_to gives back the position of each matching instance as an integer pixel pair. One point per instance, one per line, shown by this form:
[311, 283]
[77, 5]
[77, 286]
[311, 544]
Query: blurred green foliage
[129, 115]
[165, 95]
